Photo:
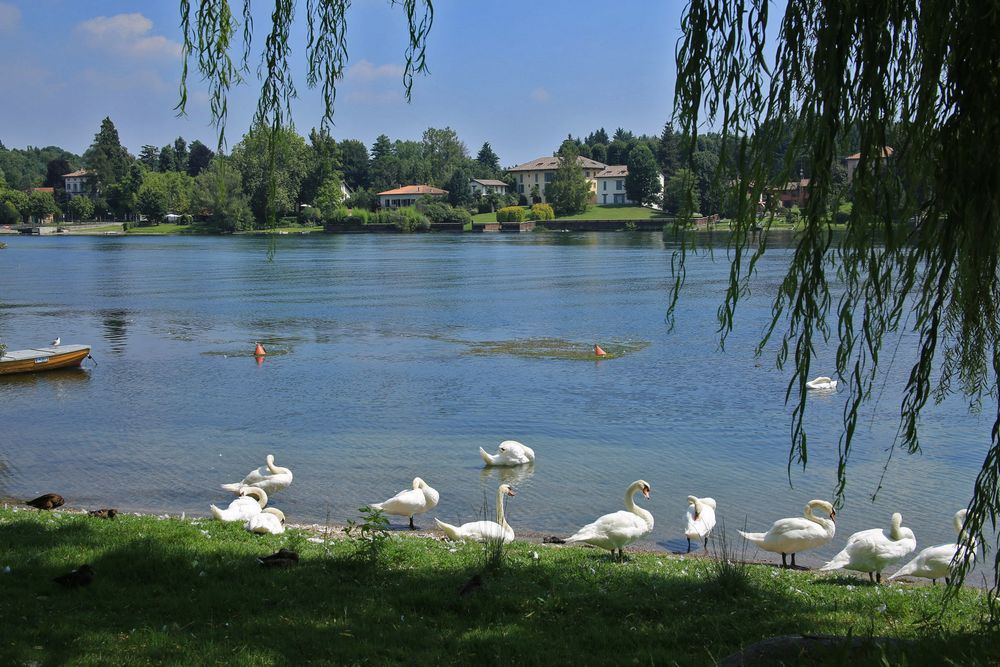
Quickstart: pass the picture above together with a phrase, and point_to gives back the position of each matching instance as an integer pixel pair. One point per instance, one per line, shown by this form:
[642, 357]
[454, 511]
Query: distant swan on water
[509, 453]
[822, 383]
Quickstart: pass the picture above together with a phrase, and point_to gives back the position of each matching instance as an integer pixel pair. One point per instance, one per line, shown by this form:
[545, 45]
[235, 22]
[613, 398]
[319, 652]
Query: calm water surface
[372, 379]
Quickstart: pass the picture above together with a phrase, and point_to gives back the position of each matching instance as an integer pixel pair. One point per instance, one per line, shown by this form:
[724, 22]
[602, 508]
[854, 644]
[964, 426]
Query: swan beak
[645, 492]
[510, 491]
[833, 515]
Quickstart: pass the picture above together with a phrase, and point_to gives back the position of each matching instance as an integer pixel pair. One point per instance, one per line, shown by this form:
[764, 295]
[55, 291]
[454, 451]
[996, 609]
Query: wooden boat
[43, 358]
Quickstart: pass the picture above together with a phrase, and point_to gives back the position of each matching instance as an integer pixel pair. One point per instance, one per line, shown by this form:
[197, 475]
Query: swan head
[270, 459]
[960, 520]
[822, 505]
[693, 501]
[419, 483]
[897, 520]
[507, 490]
[276, 512]
[642, 485]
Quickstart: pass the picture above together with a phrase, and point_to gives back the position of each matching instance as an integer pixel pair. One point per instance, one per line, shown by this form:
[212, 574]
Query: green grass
[593, 213]
[166, 228]
[183, 592]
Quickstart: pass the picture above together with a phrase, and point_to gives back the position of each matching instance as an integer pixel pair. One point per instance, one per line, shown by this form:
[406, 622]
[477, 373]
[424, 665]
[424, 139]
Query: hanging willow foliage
[920, 251]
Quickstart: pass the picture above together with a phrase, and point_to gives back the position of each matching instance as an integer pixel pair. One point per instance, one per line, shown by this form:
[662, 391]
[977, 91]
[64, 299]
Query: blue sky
[519, 74]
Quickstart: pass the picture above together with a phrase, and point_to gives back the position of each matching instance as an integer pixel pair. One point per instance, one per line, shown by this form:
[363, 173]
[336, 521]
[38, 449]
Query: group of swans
[250, 507]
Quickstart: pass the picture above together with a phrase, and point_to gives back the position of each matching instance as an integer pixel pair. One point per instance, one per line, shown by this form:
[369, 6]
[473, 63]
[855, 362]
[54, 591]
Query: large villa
[607, 182]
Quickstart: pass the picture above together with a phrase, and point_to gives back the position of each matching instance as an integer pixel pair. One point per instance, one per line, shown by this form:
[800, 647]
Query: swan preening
[795, 534]
[617, 530]
[251, 501]
[822, 383]
[509, 453]
[269, 477]
[269, 521]
[483, 531]
[417, 500]
[936, 562]
[700, 519]
[873, 550]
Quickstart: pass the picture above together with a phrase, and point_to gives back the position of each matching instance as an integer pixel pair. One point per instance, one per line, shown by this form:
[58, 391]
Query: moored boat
[42, 358]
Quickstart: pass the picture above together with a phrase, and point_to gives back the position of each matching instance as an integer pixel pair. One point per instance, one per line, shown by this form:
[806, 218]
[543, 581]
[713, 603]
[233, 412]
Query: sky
[521, 74]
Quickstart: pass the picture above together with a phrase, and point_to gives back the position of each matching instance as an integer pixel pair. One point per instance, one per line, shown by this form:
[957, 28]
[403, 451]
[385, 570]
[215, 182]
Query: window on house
[548, 176]
[605, 186]
[521, 177]
[619, 185]
[536, 178]
[520, 189]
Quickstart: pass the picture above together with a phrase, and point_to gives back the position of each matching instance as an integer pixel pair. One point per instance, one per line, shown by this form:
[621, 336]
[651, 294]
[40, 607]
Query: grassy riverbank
[191, 592]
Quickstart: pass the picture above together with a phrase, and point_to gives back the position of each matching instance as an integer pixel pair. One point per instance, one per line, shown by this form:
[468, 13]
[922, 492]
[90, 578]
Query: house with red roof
[408, 195]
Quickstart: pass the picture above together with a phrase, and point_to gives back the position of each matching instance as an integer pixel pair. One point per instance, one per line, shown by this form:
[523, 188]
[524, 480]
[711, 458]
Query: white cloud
[366, 71]
[127, 34]
[10, 18]
[540, 95]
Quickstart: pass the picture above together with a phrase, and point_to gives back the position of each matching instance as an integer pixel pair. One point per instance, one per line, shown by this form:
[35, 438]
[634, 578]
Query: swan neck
[894, 532]
[501, 519]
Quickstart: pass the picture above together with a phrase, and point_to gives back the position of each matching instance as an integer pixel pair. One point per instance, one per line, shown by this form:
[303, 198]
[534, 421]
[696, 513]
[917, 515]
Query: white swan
[417, 500]
[269, 521]
[700, 517]
[873, 550]
[269, 477]
[936, 562]
[795, 534]
[483, 531]
[822, 383]
[509, 453]
[619, 529]
[243, 507]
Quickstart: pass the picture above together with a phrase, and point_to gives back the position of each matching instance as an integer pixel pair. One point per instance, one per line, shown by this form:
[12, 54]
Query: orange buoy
[259, 351]
[598, 351]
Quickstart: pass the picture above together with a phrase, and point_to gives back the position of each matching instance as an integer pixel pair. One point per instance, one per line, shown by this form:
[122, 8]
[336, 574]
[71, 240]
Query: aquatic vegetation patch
[556, 348]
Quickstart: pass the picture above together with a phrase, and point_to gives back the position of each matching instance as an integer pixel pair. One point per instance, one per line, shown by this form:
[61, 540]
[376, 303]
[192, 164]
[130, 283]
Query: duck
[795, 534]
[700, 518]
[49, 501]
[936, 562]
[81, 576]
[483, 531]
[280, 558]
[269, 521]
[243, 507]
[269, 477]
[873, 550]
[509, 453]
[822, 383]
[57, 342]
[617, 530]
[416, 500]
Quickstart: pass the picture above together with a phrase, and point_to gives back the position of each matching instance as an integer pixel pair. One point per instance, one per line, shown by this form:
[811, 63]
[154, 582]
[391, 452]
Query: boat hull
[43, 359]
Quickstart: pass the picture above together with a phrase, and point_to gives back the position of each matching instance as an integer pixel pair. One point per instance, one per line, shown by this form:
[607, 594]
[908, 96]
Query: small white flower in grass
[452, 550]
[204, 532]
[6, 569]
[849, 587]
[203, 574]
[881, 608]
[315, 540]
[534, 555]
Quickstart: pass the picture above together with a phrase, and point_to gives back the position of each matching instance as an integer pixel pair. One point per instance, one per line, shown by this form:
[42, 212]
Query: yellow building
[542, 170]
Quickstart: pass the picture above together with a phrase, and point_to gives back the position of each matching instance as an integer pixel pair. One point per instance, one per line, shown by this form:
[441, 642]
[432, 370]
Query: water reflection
[513, 475]
[60, 380]
[115, 323]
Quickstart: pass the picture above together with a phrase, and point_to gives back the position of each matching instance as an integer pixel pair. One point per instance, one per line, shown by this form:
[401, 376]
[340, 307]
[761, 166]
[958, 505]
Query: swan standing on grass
[270, 521]
[700, 518]
[619, 529]
[822, 383]
[421, 498]
[243, 507]
[269, 477]
[795, 534]
[483, 531]
[936, 562]
[873, 550]
[509, 453]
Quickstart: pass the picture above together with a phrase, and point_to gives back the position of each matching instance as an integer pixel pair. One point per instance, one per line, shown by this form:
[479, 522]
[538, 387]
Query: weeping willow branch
[921, 249]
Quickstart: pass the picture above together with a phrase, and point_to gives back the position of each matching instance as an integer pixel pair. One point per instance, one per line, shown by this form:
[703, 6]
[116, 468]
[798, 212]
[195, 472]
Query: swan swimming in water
[873, 550]
[417, 500]
[700, 519]
[483, 531]
[251, 501]
[936, 562]
[794, 534]
[822, 383]
[269, 521]
[617, 530]
[269, 477]
[509, 453]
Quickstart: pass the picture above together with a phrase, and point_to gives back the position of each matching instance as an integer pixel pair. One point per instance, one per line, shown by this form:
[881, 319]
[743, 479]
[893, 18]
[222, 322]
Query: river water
[396, 356]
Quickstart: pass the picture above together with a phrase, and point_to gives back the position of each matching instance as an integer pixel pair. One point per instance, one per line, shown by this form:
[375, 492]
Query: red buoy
[598, 351]
[259, 351]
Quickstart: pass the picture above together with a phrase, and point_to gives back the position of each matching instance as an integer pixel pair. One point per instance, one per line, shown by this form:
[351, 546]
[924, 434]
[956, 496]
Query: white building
[81, 182]
[408, 195]
[611, 185]
[486, 186]
[542, 170]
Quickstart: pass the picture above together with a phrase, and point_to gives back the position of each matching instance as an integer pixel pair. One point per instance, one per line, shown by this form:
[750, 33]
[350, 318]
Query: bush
[438, 211]
[405, 219]
[357, 216]
[511, 214]
[542, 212]
[310, 216]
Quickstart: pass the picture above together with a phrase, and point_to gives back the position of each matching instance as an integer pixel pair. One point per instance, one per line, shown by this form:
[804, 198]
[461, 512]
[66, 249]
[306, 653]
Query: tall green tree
[667, 154]
[199, 158]
[167, 161]
[180, 154]
[384, 165]
[329, 197]
[123, 196]
[445, 151]
[272, 166]
[681, 196]
[489, 161]
[54, 171]
[642, 185]
[569, 191]
[218, 194]
[80, 208]
[41, 205]
[354, 158]
[324, 163]
[106, 155]
[149, 156]
[458, 187]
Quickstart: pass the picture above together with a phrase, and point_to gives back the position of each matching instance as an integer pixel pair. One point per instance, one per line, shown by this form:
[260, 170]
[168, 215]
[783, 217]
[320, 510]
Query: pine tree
[569, 190]
[106, 155]
[489, 160]
[642, 185]
[667, 153]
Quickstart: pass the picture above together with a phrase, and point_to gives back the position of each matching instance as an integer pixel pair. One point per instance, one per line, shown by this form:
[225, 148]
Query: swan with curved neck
[509, 453]
[937, 562]
[251, 501]
[483, 531]
[795, 534]
[873, 550]
[269, 521]
[822, 383]
[270, 477]
[617, 530]
[700, 518]
[416, 500]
